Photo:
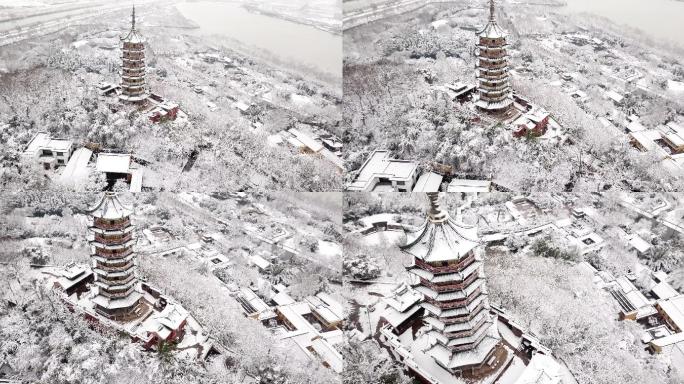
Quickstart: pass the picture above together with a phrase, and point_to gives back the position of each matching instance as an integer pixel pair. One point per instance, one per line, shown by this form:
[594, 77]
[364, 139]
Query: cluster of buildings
[319, 144]
[109, 292]
[656, 305]
[76, 163]
[381, 173]
[312, 325]
[666, 141]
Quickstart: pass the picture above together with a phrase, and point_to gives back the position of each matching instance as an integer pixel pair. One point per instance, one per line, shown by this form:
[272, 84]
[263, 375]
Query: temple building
[494, 88]
[133, 85]
[461, 332]
[117, 293]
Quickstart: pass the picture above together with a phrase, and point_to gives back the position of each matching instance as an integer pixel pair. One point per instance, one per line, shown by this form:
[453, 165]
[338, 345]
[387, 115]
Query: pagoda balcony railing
[134, 60]
[494, 89]
[99, 223]
[133, 82]
[454, 303]
[116, 295]
[488, 65]
[113, 239]
[133, 64]
[498, 47]
[463, 319]
[492, 55]
[133, 55]
[110, 254]
[450, 287]
[113, 282]
[468, 332]
[469, 346]
[121, 267]
[446, 268]
[133, 71]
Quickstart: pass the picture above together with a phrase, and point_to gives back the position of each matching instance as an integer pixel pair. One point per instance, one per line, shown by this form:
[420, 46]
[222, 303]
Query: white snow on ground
[301, 101]
[675, 86]
[329, 249]
[439, 23]
[21, 3]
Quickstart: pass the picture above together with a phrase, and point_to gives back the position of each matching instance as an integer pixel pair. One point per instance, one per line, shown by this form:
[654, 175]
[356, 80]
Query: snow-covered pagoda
[133, 85]
[117, 295]
[462, 333]
[494, 88]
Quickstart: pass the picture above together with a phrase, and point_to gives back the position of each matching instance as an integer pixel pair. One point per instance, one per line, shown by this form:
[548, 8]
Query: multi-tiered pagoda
[133, 86]
[494, 88]
[450, 276]
[117, 295]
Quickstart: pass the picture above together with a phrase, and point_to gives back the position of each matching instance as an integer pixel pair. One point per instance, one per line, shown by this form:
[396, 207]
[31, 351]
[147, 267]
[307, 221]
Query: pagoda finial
[133, 17]
[436, 214]
[491, 11]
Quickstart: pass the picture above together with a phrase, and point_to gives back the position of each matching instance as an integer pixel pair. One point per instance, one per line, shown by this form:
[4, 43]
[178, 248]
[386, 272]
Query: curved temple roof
[133, 36]
[440, 238]
[492, 30]
[110, 207]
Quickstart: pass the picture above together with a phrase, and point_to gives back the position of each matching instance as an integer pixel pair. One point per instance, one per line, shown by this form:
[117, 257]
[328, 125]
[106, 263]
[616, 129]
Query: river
[285, 39]
[660, 19]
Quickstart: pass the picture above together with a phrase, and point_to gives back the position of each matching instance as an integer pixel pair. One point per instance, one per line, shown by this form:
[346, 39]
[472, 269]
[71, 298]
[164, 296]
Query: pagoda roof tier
[133, 60]
[495, 78]
[127, 229]
[465, 341]
[117, 303]
[110, 207]
[494, 106]
[491, 47]
[453, 312]
[484, 71]
[130, 49]
[474, 321]
[98, 244]
[446, 277]
[454, 295]
[116, 287]
[140, 97]
[440, 238]
[492, 31]
[447, 358]
[109, 260]
[113, 274]
[502, 58]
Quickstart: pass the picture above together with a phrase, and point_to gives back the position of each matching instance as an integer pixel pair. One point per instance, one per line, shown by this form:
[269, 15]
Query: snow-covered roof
[110, 207]
[328, 354]
[259, 262]
[307, 140]
[42, 141]
[639, 244]
[113, 162]
[136, 180]
[646, 138]
[674, 308]
[664, 290]
[440, 238]
[542, 369]
[403, 297]
[76, 169]
[428, 182]
[470, 186]
[379, 165]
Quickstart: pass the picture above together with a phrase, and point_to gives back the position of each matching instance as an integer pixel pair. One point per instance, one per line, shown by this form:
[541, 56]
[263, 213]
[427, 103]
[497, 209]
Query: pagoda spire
[436, 214]
[491, 11]
[133, 18]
